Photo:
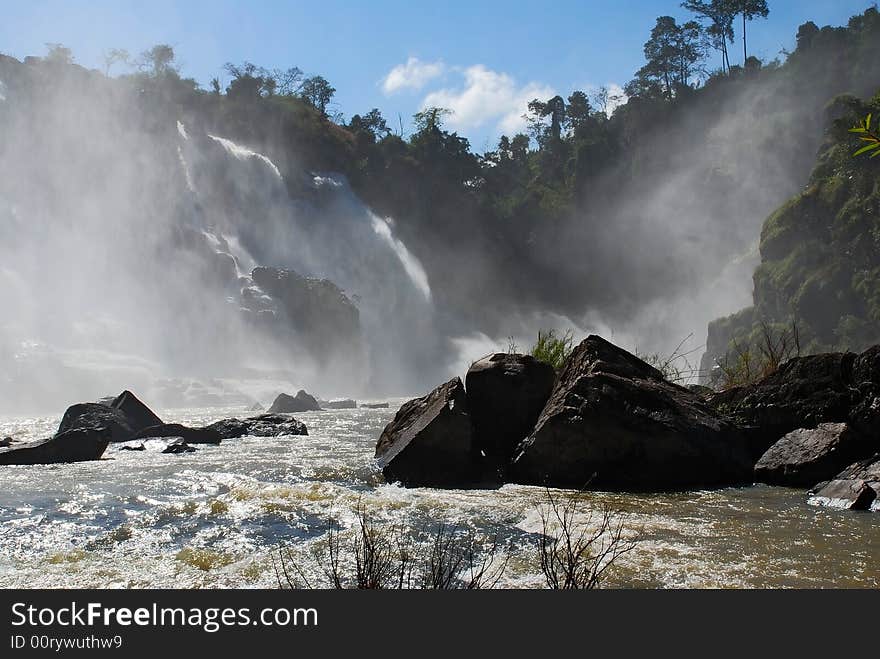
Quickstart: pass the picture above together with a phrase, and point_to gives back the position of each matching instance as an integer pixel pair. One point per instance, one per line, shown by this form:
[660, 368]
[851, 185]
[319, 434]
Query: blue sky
[484, 59]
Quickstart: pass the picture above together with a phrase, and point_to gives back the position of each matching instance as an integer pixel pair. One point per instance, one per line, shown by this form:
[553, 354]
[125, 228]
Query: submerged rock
[849, 494]
[264, 425]
[341, 404]
[189, 435]
[506, 394]
[612, 421]
[178, 447]
[855, 488]
[302, 402]
[805, 456]
[430, 441]
[375, 406]
[6, 441]
[78, 445]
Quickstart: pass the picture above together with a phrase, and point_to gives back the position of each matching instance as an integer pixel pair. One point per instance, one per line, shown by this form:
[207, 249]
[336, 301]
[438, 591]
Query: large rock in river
[430, 441]
[125, 416]
[613, 422]
[93, 416]
[806, 456]
[802, 393]
[139, 415]
[855, 488]
[186, 434]
[264, 425]
[302, 402]
[506, 394]
[80, 445]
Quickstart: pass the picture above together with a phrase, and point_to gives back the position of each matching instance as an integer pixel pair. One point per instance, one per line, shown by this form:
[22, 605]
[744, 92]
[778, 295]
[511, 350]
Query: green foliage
[553, 348]
[767, 348]
[318, 93]
[863, 130]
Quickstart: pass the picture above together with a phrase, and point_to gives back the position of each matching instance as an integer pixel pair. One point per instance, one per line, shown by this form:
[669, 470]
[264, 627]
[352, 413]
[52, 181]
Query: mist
[131, 225]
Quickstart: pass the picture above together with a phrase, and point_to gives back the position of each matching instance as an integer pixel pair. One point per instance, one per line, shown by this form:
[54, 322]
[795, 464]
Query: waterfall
[329, 235]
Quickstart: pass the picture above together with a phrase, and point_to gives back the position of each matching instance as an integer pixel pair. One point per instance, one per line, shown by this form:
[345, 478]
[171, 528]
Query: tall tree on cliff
[719, 14]
[750, 10]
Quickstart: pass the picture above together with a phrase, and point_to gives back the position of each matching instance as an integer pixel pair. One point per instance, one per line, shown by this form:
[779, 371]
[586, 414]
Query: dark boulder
[189, 435]
[342, 404]
[78, 445]
[865, 413]
[5, 442]
[613, 422]
[808, 455]
[139, 415]
[855, 488]
[701, 390]
[316, 311]
[178, 447]
[139, 447]
[94, 416]
[506, 394]
[867, 367]
[850, 494]
[124, 416]
[803, 393]
[302, 402]
[264, 425]
[430, 441]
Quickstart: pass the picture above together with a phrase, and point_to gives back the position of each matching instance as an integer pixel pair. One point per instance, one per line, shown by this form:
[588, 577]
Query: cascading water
[128, 236]
[331, 235]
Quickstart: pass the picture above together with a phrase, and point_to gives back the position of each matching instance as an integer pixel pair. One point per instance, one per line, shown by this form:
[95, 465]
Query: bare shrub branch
[574, 554]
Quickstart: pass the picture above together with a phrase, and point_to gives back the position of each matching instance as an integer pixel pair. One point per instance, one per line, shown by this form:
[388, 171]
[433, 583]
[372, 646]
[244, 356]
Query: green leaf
[858, 129]
[865, 149]
[868, 122]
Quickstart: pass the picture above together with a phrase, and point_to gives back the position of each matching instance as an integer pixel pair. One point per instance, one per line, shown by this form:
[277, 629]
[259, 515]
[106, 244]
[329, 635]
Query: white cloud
[488, 96]
[415, 74]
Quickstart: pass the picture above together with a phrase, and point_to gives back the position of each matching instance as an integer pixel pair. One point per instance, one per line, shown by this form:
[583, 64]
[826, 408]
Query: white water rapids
[217, 517]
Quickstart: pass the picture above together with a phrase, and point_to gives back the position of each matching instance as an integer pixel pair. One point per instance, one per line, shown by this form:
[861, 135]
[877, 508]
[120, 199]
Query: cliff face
[820, 255]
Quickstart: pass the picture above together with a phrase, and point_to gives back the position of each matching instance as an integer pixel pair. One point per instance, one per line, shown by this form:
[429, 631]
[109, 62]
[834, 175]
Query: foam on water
[215, 518]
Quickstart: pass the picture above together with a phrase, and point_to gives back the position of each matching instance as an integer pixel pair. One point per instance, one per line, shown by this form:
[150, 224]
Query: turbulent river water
[217, 517]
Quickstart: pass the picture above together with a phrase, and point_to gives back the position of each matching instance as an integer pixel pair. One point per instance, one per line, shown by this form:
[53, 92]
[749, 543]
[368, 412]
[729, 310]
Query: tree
[159, 60]
[318, 93]
[59, 54]
[720, 15]
[113, 56]
[249, 81]
[376, 124]
[604, 98]
[555, 109]
[672, 53]
[579, 111]
[750, 10]
[289, 81]
[430, 119]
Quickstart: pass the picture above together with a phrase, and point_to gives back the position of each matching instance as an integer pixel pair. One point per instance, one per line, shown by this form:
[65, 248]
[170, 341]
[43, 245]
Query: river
[216, 518]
